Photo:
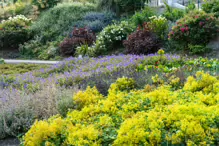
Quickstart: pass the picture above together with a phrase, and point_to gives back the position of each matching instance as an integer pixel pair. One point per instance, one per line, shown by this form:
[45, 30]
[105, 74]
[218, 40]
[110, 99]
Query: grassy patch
[8, 69]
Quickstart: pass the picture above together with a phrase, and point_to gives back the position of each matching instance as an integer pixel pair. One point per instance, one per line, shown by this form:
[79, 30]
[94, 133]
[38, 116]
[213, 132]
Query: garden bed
[119, 81]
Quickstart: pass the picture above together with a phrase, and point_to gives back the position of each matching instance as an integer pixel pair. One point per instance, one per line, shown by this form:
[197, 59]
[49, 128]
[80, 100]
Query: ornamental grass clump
[195, 28]
[159, 116]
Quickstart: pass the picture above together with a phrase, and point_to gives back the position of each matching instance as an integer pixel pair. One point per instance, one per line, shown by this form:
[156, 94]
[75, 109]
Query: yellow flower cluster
[203, 81]
[152, 116]
[122, 84]
[86, 98]
[42, 131]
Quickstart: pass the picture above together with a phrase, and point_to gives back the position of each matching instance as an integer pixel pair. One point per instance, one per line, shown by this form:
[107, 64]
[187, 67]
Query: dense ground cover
[152, 116]
[42, 93]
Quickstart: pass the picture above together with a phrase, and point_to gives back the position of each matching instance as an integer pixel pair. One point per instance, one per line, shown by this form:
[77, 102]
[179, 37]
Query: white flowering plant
[15, 23]
[159, 25]
[112, 37]
[14, 31]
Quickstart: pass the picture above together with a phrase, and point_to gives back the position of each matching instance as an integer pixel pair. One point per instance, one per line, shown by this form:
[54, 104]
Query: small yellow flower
[161, 52]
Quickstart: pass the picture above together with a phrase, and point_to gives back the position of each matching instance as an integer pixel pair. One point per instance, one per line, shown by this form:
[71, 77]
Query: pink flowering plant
[195, 28]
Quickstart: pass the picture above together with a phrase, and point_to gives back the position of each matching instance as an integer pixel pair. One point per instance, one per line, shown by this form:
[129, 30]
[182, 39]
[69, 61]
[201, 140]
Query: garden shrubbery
[159, 25]
[96, 21]
[211, 6]
[142, 16]
[38, 90]
[78, 37]
[111, 38]
[143, 41]
[122, 6]
[195, 28]
[56, 21]
[51, 28]
[14, 31]
[146, 97]
[152, 116]
[45, 4]
[173, 14]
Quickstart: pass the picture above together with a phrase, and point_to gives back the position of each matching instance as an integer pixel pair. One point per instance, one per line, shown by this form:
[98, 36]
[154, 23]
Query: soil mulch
[9, 142]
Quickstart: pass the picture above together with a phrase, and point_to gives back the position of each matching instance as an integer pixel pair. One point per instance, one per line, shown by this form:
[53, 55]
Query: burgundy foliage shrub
[78, 37]
[142, 41]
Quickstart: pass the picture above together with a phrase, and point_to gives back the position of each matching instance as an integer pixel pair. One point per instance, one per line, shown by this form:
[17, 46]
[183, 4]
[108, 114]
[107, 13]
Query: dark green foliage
[11, 39]
[211, 6]
[56, 21]
[142, 16]
[173, 14]
[45, 4]
[96, 21]
[198, 49]
[14, 31]
[122, 6]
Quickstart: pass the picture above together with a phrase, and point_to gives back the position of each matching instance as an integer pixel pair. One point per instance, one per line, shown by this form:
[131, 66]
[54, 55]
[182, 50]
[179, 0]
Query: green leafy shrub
[58, 20]
[111, 37]
[142, 16]
[14, 31]
[35, 49]
[142, 41]
[82, 50]
[17, 8]
[159, 26]
[128, 6]
[173, 14]
[20, 7]
[45, 4]
[122, 6]
[96, 21]
[211, 6]
[2, 61]
[196, 28]
[197, 49]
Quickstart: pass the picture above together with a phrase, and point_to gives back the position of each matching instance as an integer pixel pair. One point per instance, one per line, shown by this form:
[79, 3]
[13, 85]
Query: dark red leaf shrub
[142, 41]
[78, 37]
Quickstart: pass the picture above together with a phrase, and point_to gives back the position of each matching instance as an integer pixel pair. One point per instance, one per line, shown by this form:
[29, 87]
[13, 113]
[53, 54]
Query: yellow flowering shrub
[123, 84]
[43, 131]
[79, 135]
[152, 116]
[90, 96]
[203, 81]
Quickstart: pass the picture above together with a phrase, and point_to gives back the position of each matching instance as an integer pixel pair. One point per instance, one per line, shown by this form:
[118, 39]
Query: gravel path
[182, 2]
[12, 61]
